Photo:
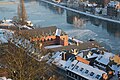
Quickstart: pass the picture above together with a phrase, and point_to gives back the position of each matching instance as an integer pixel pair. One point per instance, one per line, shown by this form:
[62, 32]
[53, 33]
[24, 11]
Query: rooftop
[4, 34]
[86, 71]
[59, 62]
[78, 67]
[45, 31]
[82, 46]
[104, 59]
[116, 59]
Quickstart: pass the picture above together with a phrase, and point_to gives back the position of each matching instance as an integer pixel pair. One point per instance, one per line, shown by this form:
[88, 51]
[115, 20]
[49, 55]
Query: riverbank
[3, 3]
[84, 13]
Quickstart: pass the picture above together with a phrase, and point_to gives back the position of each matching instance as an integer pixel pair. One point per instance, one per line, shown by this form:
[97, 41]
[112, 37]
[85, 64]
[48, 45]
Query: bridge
[80, 12]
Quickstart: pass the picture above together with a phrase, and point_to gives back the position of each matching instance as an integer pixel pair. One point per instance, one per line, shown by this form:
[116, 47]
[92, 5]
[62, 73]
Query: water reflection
[76, 19]
[112, 28]
[80, 20]
[95, 21]
[55, 9]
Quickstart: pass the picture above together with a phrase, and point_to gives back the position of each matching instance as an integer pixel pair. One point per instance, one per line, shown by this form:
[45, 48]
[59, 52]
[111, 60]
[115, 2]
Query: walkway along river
[84, 13]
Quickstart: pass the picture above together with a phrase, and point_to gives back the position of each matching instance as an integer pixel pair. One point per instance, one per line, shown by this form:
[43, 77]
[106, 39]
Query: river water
[75, 25]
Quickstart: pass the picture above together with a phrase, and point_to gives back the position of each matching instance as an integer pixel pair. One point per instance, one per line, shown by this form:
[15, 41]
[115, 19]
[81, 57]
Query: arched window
[51, 39]
[44, 40]
[48, 39]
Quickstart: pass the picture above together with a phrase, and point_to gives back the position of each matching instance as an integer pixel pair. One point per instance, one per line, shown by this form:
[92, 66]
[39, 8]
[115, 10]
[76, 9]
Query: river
[75, 25]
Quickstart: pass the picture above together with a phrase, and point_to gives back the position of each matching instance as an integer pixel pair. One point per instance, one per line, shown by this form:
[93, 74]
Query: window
[68, 72]
[75, 76]
[91, 74]
[86, 71]
[72, 65]
[65, 66]
[98, 76]
[51, 39]
[81, 69]
[40, 40]
[76, 67]
[72, 74]
[44, 40]
[48, 39]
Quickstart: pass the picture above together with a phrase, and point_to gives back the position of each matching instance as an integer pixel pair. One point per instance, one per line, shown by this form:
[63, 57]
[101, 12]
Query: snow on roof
[26, 27]
[56, 54]
[90, 5]
[92, 56]
[94, 4]
[4, 78]
[108, 54]
[5, 30]
[76, 40]
[59, 62]
[115, 68]
[28, 21]
[104, 59]
[7, 22]
[52, 46]
[73, 64]
[3, 38]
[86, 71]
[113, 3]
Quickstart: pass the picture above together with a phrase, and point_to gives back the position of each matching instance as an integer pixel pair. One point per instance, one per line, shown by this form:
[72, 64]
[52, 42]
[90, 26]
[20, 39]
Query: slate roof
[39, 32]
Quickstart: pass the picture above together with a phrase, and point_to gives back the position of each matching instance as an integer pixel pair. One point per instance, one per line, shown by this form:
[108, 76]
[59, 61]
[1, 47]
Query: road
[80, 12]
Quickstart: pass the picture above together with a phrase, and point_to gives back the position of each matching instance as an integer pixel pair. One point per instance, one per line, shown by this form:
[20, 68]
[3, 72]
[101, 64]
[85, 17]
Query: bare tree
[23, 67]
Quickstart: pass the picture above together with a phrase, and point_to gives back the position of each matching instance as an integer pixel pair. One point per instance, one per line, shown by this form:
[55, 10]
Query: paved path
[80, 12]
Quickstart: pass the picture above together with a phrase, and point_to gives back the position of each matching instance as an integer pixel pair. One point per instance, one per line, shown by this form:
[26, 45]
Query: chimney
[75, 51]
[64, 56]
[58, 32]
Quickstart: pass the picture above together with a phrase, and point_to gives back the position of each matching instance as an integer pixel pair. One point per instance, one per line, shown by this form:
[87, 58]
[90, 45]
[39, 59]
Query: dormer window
[86, 71]
[81, 69]
[51, 39]
[98, 76]
[44, 40]
[65, 66]
[72, 65]
[91, 74]
[48, 39]
[76, 67]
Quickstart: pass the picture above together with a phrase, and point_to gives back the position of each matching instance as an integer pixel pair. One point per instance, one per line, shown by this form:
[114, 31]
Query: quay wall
[80, 12]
